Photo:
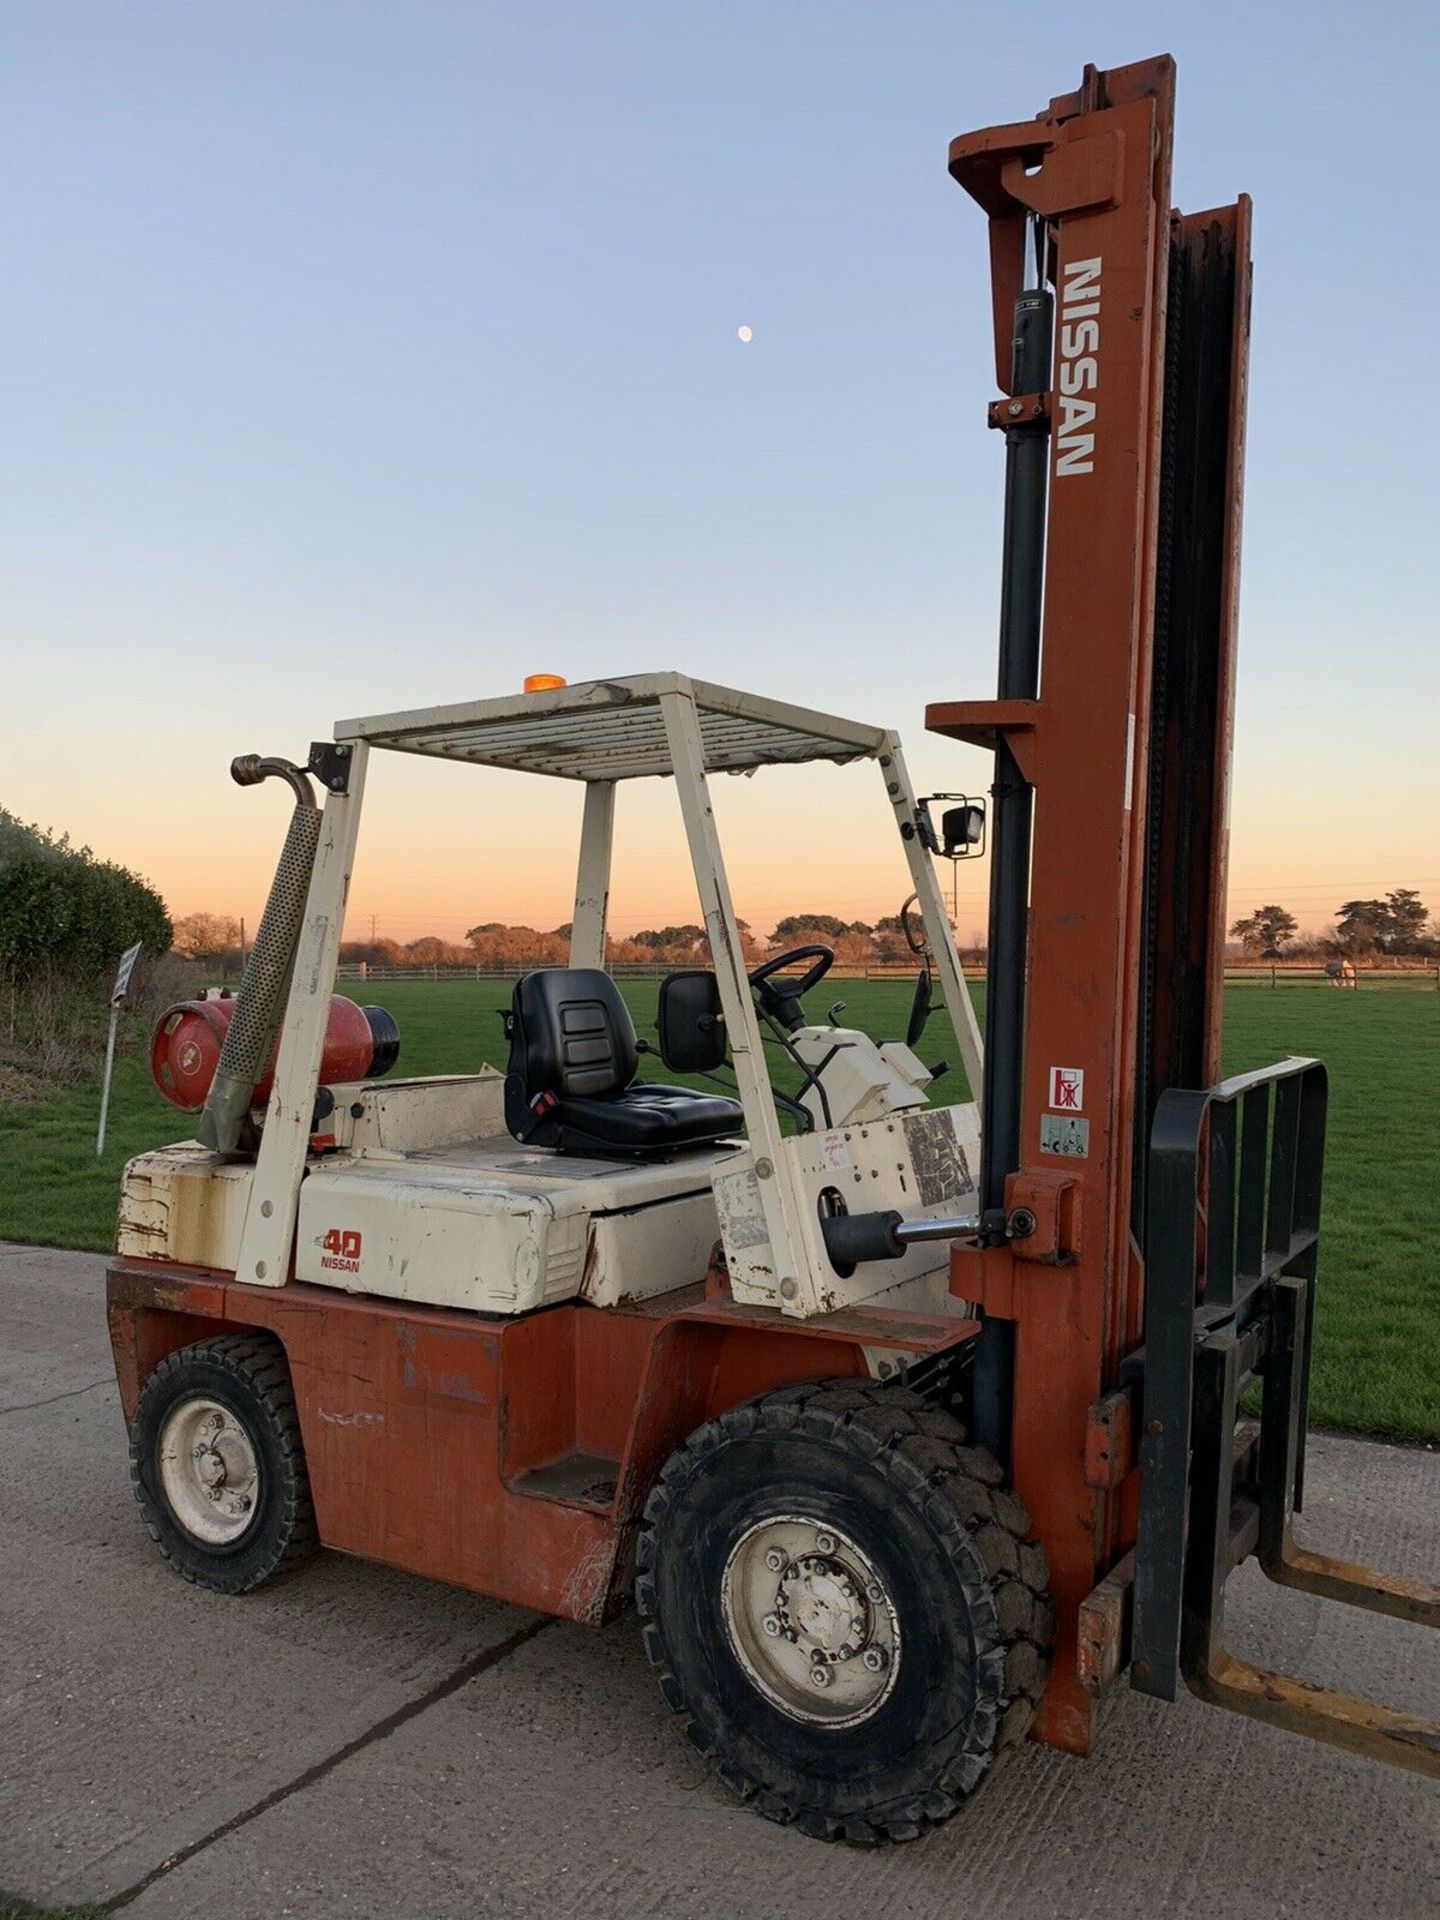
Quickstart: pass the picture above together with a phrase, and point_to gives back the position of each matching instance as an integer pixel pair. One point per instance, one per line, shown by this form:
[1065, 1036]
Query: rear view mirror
[919, 1007]
[691, 1023]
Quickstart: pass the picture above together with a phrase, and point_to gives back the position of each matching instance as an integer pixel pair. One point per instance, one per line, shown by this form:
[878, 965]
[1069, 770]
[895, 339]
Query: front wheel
[843, 1601]
[217, 1465]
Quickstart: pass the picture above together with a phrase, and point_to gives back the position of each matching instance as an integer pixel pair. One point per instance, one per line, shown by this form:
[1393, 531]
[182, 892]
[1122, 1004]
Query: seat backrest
[571, 1034]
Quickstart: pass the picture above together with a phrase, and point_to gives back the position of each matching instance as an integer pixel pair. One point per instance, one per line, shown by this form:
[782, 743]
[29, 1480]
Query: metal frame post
[1013, 799]
[268, 1235]
[955, 993]
[105, 1083]
[592, 876]
[117, 999]
[787, 1217]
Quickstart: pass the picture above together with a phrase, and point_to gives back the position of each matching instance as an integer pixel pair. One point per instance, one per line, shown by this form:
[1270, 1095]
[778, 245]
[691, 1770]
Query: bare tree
[206, 936]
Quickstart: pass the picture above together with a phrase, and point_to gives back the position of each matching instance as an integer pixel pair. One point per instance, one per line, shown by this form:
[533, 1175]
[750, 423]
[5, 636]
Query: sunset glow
[294, 435]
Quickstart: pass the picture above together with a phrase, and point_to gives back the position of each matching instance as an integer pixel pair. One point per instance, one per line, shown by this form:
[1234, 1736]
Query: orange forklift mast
[1146, 1248]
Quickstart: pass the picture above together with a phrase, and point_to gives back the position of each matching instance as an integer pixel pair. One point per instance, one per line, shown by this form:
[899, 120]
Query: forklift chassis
[509, 1455]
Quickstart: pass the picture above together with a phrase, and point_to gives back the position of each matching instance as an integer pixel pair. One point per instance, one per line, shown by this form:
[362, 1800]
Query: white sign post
[117, 1000]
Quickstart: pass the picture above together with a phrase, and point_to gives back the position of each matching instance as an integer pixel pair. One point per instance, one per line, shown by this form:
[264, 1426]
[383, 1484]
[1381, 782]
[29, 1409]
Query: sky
[360, 356]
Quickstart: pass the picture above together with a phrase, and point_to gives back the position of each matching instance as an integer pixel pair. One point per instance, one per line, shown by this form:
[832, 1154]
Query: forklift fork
[1234, 1203]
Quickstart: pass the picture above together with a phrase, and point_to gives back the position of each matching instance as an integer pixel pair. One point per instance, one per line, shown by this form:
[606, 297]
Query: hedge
[59, 904]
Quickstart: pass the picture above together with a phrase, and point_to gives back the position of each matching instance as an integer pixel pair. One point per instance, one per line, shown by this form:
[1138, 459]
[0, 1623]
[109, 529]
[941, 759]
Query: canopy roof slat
[615, 730]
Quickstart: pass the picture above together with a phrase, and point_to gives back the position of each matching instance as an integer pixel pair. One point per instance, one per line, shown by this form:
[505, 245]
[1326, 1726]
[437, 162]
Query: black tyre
[844, 1531]
[217, 1465]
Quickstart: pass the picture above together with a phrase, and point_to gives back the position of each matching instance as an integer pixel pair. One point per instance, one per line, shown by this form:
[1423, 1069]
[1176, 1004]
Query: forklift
[911, 1429]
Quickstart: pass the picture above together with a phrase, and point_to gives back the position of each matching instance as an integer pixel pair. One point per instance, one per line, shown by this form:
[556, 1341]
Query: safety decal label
[1067, 1089]
[742, 1213]
[1065, 1134]
[835, 1151]
[941, 1169]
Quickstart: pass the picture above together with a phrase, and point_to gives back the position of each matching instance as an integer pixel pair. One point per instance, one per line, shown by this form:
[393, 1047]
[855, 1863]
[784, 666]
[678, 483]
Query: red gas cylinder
[360, 1043]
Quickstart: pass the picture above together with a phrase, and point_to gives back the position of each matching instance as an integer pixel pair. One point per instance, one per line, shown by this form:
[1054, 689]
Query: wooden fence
[1421, 976]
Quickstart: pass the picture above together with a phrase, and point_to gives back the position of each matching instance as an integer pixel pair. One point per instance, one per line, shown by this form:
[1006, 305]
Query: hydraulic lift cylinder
[1027, 454]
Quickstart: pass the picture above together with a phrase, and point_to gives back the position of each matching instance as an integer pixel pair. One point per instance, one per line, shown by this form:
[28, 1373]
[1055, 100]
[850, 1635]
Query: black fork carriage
[1232, 1238]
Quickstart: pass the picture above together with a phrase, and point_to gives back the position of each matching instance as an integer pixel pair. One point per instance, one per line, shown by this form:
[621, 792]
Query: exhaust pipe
[266, 980]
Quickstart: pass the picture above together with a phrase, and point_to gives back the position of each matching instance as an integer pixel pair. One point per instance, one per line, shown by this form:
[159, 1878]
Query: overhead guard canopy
[615, 730]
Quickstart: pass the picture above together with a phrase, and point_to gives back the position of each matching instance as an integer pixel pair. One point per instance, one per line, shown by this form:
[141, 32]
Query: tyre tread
[259, 1361]
[958, 1489]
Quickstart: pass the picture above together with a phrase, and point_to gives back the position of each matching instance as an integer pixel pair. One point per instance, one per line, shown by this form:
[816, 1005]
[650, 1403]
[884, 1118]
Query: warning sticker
[1064, 1134]
[1067, 1089]
[835, 1151]
[942, 1172]
[742, 1213]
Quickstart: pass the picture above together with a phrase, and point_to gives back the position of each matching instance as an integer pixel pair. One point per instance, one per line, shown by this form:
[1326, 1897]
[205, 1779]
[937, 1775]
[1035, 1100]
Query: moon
[745, 334]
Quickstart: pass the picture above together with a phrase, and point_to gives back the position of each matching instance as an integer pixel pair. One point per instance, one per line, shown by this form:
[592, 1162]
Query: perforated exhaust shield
[266, 979]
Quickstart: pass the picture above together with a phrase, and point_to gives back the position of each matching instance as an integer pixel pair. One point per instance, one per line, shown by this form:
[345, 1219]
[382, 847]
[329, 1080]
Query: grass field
[1377, 1348]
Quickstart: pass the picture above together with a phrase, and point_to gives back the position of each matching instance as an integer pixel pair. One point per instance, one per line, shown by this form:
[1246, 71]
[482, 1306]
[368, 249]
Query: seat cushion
[573, 1034]
[573, 1049]
[649, 1118]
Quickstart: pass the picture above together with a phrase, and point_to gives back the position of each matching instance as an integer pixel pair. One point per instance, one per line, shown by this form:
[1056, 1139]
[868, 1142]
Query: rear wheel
[844, 1602]
[217, 1465]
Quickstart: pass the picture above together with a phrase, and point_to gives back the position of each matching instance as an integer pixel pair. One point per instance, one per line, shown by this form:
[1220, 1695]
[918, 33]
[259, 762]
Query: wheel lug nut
[775, 1559]
[825, 1543]
[873, 1659]
[819, 1676]
[771, 1626]
[874, 1591]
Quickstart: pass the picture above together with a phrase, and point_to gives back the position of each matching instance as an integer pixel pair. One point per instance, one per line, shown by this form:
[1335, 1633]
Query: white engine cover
[499, 1228]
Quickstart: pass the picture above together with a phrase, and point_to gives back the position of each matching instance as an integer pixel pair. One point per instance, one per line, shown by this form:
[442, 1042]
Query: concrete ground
[355, 1742]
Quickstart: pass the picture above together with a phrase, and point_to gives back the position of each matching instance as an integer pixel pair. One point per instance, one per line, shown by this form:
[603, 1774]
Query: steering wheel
[781, 1000]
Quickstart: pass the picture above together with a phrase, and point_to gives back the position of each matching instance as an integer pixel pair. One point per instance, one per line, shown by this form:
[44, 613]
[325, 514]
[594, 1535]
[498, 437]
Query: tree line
[495, 945]
[1397, 926]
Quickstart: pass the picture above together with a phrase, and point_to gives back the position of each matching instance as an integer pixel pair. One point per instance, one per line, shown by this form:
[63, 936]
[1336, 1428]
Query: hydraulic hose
[1027, 453]
[266, 980]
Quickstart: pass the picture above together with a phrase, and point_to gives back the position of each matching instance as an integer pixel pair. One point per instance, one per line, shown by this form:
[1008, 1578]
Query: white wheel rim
[800, 1599]
[209, 1472]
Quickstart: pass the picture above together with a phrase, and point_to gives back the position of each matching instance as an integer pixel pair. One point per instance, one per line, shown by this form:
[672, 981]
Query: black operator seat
[571, 1079]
